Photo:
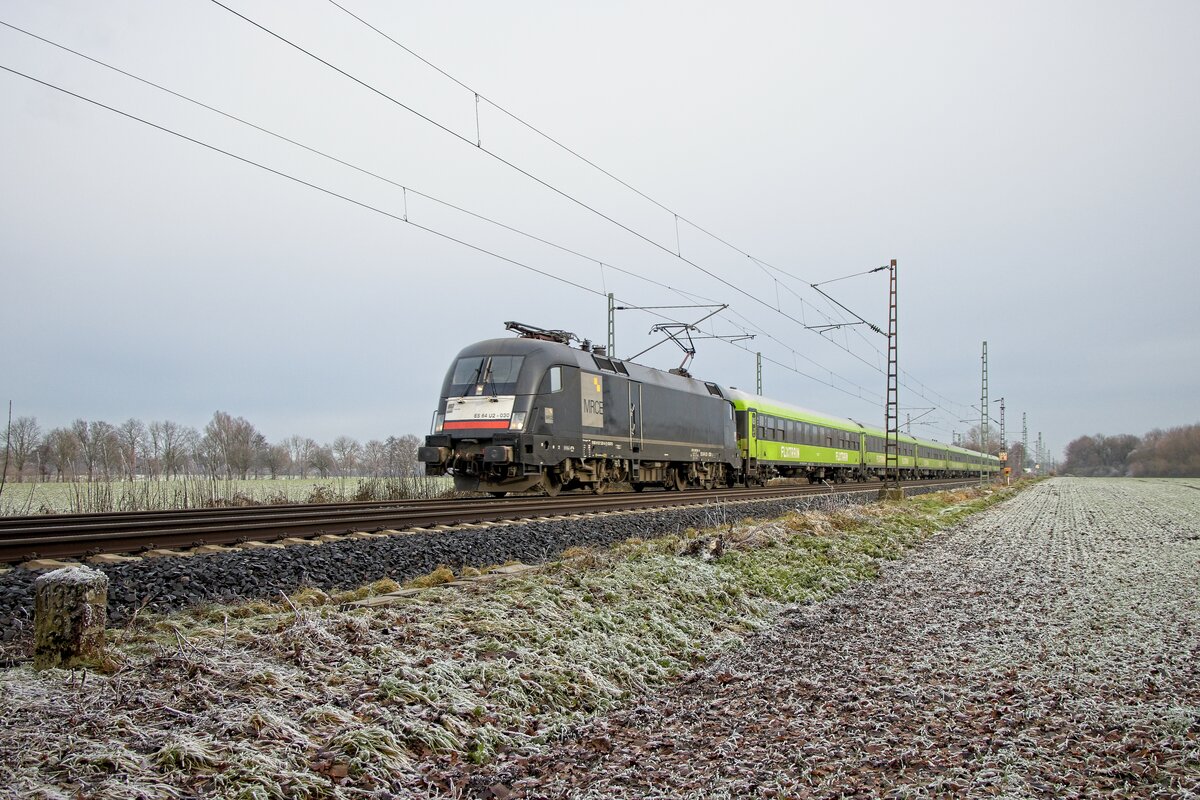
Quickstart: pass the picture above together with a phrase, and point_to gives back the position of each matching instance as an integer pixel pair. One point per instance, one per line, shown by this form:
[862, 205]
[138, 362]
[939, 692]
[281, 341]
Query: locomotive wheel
[639, 487]
[677, 482]
[498, 494]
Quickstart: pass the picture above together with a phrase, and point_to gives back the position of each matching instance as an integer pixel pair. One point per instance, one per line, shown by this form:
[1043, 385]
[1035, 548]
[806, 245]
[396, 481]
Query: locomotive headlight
[517, 421]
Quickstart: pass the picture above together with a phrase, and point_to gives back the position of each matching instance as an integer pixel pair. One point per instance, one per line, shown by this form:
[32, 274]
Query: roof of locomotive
[543, 354]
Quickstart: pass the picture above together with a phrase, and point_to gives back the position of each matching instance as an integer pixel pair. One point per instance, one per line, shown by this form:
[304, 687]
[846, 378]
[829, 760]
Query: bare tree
[235, 440]
[1016, 458]
[374, 458]
[175, 442]
[970, 441]
[1171, 453]
[276, 459]
[402, 455]
[301, 450]
[106, 449]
[347, 452]
[322, 460]
[87, 451]
[62, 448]
[1100, 455]
[152, 448]
[7, 450]
[130, 434]
[22, 439]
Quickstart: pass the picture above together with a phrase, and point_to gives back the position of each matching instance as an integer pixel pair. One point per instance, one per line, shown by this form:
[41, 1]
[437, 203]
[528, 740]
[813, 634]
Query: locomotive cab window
[555, 375]
[496, 374]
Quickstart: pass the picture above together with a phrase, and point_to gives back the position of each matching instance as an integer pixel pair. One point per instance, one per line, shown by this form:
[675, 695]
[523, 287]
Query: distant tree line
[1173, 453]
[228, 447]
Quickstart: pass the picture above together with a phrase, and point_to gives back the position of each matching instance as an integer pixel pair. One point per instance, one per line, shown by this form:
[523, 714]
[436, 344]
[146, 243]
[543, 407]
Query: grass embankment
[311, 698]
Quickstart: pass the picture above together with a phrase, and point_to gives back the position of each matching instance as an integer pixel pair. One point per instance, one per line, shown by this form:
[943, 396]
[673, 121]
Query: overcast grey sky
[1033, 167]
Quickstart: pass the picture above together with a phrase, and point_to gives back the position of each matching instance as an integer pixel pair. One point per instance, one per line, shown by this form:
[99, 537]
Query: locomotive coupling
[497, 454]
[433, 455]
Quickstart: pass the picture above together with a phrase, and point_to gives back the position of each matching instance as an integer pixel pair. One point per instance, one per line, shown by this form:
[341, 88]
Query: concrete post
[70, 614]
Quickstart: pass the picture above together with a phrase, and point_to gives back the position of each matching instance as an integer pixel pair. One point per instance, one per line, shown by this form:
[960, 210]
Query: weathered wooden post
[70, 611]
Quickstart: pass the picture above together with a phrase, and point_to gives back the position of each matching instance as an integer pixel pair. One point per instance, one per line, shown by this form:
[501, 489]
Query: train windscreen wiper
[487, 379]
[471, 384]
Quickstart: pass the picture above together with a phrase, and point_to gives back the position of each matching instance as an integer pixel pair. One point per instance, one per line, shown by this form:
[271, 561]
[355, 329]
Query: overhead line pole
[891, 460]
[1024, 441]
[612, 326]
[983, 417]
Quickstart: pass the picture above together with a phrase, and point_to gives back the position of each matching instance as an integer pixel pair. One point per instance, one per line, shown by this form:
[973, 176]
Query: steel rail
[130, 532]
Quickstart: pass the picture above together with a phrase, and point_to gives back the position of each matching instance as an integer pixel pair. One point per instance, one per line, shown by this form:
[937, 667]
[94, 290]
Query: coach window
[555, 379]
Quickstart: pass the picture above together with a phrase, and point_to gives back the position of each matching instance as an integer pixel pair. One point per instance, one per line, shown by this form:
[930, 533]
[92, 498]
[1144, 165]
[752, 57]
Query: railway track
[74, 535]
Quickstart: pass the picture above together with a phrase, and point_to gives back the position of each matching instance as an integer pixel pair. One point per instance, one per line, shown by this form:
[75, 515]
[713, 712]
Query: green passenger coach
[780, 440]
[777, 439]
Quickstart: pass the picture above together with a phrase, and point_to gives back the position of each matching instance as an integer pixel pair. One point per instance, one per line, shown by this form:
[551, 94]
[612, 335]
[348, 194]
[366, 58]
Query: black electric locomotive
[534, 411]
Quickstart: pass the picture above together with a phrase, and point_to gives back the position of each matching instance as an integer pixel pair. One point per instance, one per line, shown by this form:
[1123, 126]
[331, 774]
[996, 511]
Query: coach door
[635, 416]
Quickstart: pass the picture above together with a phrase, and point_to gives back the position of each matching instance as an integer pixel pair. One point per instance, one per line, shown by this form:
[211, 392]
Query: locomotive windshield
[495, 374]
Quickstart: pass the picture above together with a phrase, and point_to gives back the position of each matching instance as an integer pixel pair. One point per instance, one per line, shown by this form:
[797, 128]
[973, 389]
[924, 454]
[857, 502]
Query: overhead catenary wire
[301, 181]
[479, 96]
[761, 264]
[523, 171]
[355, 202]
[535, 178]
[407, 189]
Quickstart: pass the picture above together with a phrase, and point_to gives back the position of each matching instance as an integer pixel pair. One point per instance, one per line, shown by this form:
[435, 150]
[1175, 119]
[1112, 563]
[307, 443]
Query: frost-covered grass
[1047, 648]
[151, 494]
[309, 697]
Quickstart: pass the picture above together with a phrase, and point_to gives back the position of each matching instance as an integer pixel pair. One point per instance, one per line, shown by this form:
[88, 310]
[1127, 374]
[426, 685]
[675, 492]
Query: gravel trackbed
[1047, 647]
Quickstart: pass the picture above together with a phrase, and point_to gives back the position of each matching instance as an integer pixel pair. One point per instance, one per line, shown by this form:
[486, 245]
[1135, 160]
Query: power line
[528, 174]
[407, 189]
[342, 162]
[360, 204]
[302, 182]
[759, 262]
[763, 265]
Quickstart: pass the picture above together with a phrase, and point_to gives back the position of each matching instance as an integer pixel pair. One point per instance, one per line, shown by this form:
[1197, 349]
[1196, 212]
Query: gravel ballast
[169, 584]
[1048, 647]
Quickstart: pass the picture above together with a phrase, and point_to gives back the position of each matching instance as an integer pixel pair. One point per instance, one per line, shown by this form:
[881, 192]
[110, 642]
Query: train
[533, 412]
